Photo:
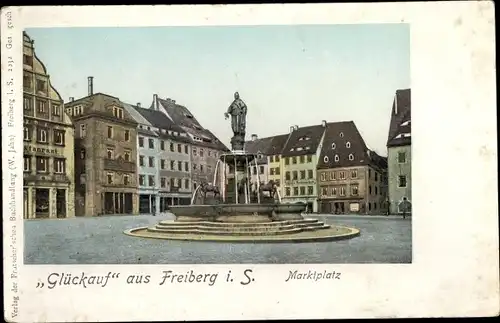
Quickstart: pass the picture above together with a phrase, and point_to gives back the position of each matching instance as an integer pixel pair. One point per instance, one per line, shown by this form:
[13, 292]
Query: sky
[286, 74]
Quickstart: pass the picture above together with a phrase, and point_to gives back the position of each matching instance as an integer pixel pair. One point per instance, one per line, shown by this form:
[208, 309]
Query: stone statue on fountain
[238, 112]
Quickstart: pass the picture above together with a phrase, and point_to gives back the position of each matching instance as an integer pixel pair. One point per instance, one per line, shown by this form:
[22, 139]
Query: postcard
[279, 161]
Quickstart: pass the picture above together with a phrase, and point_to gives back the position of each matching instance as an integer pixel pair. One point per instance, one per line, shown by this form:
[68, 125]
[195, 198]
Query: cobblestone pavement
[101, 241]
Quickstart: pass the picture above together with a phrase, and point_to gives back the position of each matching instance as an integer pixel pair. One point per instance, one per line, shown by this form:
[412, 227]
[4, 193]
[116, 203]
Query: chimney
[323, 123]
[173, 101]
[91, 85]
[71, 99]
[138, 104]
[295, 127]
[155, 101]
[291, 128]
[254, 137]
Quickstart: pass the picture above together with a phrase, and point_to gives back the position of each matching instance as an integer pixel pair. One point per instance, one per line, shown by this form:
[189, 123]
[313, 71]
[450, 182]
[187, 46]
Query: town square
[181, 178]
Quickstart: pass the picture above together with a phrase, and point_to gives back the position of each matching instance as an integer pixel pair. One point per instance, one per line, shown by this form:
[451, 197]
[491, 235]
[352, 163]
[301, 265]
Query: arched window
[341, 135]
[337, 158]
[348, 144]
[325, 159]
[351, 157]
[333, 145]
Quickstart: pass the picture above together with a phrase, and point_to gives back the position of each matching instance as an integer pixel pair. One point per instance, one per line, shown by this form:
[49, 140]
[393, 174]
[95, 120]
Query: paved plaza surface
[100, 240]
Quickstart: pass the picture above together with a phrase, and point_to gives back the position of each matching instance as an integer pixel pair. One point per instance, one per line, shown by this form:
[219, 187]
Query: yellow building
[274, 160]
[299, 160]
[48, 143]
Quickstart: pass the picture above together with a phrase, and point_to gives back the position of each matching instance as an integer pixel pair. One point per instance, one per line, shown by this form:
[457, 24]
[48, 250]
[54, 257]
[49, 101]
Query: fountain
[240, 211]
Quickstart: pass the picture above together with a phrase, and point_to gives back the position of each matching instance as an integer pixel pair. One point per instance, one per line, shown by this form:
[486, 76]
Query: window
[277, 159]
[302, 190]
[110, 153]
[151, 143]
[302, 174]
[186, 183]
[126, 179]
[127, 135]
[323, 177]
[151, 180]
[341, 135]
[287, 161]
[110, 178]
[126, 155]
[295, 175]
[277, 171]
[376, 190]
[195, 166]
[310, 174]
[172, 165]
[110, 132]
[27, 133]
[351, 157]
[354, 174]
[56, 110]
[27, 163]
[59, 166]
[42, 164]
[254, 170]
[354, 190]
[295, 191]
[370, 190]
[59, 137]
[28, 60]
[287, 191]
[201, 152]
[309, 158]
[261, 169]
[141, 160]
[28, 103]
[186, 149]
[142, 178]
[333, 145]
[334, 191]
[151, 161]
[118, 112]
[325, 159]
[271, 159]
[324, 191]
[271, 171]
[342, 175]
[179, 148]
[376, 176]
[342, 191]
[287, 176]
[141, 142]
[348, 144]
[401, 157]
[163, 182]
[83, 131]
[162, 144]
[194, 152]
[82, 153]
[369, 173]
[41, 106]
[402, 181]
[310, 190]
[294, 160]
[302, 159]
[171, 147]
[162, 163]
[41, 135]
[179, 165]
[332, 176]
[201, 168]
[41, 85]
[186, 166]
[337, 158]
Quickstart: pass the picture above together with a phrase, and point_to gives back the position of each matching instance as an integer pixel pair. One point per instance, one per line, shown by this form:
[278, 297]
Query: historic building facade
[206, 148]
[275, 164]
[399, 153]
[351, 176]
[299, 161]
[259, 168]
[173, 160]
[105, 155]
[147, 161]
[48, 143]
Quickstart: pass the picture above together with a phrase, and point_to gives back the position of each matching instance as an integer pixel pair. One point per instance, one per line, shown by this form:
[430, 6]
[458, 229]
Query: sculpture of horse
[208, 187]
[270, 187]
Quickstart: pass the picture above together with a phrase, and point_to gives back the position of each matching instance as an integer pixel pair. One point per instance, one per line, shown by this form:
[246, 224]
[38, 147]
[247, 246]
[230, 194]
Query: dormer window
[325, 159]
[351, 157]
[118, 112]
[341, 135]
[333, 145]
[337, 158]
[348, 145]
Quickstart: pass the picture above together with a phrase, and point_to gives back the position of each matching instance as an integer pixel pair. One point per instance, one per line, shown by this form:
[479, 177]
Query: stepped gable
[277, 145]
[303, 141]
[181, 116]
[159, 120]
[400, 125]
[343, 139]
[259, 147]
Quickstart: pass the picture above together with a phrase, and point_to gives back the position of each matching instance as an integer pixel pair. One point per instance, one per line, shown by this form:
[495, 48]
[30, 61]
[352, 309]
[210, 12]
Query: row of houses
[99, 155]
[330, 167]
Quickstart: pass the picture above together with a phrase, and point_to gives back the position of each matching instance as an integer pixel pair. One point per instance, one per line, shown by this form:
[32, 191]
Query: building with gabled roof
[399, 153]
[205, 148]
[351, 176]
[299, 159]
[48, 143]
[258, 169]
